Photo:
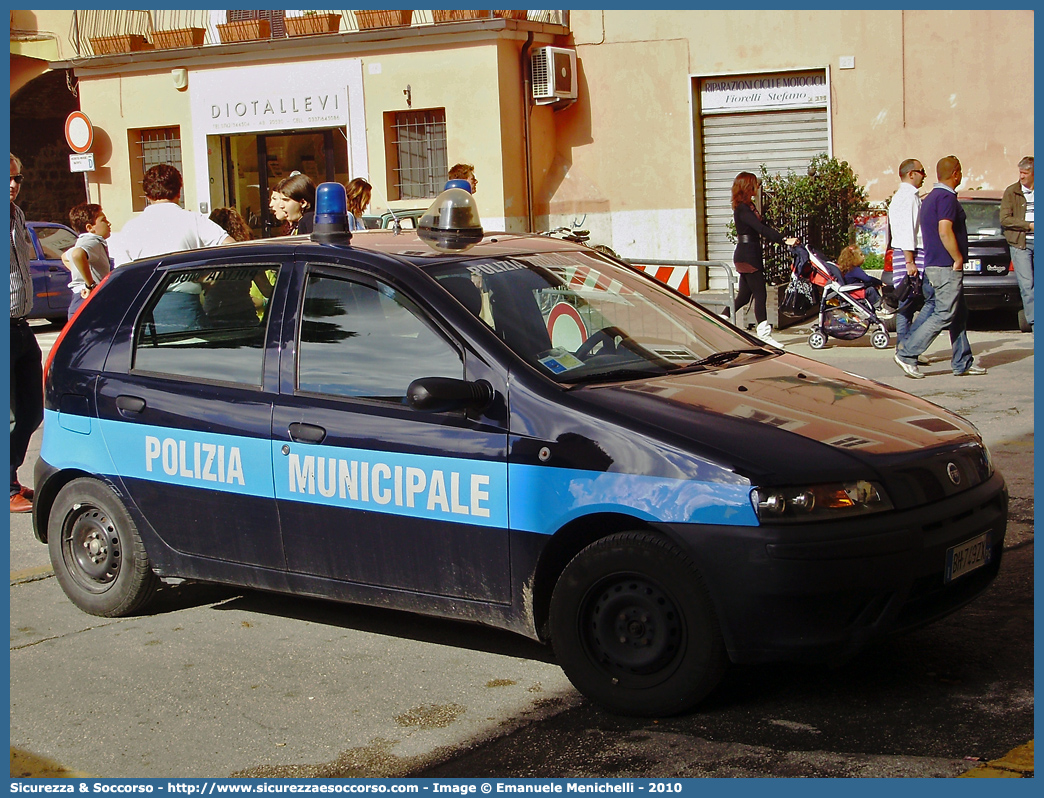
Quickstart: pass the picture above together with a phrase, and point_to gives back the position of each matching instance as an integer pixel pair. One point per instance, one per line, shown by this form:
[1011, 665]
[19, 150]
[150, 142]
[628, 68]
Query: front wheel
[817, 340]
[633, 627]
[96, 553]
[880, 339]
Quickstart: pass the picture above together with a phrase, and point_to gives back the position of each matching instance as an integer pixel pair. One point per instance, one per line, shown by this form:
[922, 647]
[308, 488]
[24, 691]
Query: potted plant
[178, 37]
[312, 23]
[383, 19]
[244, 30]
[126, 43]
[455, 15]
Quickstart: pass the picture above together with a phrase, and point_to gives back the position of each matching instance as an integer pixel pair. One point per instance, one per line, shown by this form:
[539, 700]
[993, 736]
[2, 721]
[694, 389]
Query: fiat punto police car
[506, 429]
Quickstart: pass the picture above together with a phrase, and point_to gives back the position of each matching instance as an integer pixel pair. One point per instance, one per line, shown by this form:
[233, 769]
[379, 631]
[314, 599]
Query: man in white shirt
[164, 226]
[1016, 217]
[907, 248]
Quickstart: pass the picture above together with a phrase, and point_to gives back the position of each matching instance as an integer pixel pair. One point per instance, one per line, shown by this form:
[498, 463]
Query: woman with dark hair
[298, 192]
[749, 232]
[358, 191]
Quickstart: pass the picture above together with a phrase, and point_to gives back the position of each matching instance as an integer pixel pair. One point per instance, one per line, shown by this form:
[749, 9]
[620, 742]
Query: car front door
[50, 276]
[186, 413]
[369, 490]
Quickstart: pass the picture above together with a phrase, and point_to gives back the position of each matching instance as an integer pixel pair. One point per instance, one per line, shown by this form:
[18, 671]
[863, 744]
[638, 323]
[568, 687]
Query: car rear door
[369, 490]
[185, 407]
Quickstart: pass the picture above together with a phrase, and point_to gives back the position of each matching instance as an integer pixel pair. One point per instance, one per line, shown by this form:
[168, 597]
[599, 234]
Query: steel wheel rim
[91, 548]
[632, 630]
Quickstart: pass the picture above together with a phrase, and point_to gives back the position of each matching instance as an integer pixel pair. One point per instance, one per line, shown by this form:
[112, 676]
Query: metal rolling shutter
[734, 143]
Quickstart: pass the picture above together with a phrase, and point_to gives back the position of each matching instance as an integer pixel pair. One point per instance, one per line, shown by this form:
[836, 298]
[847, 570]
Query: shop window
[416, 155]
[148, 148]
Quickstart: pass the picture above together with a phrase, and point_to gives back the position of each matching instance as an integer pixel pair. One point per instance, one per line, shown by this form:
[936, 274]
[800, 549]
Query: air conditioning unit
[554, 74]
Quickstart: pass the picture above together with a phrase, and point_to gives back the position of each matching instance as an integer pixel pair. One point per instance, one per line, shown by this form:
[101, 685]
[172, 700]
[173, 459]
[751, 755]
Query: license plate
[973, 265]
[966, 557]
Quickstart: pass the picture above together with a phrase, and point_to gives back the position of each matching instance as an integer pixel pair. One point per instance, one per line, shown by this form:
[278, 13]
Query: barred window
[150, 147]
[416, 153]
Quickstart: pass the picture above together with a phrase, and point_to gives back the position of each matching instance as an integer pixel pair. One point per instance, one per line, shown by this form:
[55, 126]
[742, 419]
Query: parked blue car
[51, 294]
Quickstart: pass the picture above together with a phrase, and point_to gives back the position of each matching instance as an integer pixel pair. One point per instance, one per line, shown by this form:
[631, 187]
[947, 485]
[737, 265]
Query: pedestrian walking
[26, 368]
[747, 257]
[904, 212]
[1016, 217]
[298, 202]
[944, 231]
[88, 259]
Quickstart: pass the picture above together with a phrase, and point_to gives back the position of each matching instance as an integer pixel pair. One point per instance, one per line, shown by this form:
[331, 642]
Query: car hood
[772, 414]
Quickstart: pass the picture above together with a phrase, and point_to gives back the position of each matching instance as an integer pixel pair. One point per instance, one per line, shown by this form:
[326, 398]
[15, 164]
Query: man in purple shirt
[944, 232]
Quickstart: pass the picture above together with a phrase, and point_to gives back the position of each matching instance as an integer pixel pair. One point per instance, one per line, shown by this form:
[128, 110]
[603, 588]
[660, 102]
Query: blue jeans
[950, 313]
[905, 320]
[1023, 261]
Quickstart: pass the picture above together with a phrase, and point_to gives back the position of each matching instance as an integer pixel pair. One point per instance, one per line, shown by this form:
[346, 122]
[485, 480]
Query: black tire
[96, 552]
[633, 627]
[1024, 325]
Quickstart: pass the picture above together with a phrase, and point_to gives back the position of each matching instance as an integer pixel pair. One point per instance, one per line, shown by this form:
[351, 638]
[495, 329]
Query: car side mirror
[439, 394]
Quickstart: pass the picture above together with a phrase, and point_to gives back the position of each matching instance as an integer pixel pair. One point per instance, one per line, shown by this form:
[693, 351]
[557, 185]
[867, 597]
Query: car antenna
[396, 224]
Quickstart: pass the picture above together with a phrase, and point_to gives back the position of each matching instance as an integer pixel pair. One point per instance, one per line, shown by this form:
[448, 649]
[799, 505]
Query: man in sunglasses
[26, 369]
[904, 210]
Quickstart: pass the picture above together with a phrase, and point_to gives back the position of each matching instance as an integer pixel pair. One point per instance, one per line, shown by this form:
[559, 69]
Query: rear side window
[207, 323]
[54, 241]
[367, 341]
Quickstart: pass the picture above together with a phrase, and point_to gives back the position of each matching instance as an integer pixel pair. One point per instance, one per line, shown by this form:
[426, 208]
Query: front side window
[367, 341]
[578, 317]
[207, 323]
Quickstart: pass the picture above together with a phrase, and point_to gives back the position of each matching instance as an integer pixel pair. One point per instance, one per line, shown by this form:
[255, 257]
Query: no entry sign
[79, 133]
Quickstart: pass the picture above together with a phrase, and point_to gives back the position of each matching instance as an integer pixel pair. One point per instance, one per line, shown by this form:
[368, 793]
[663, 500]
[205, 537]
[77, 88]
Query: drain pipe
[526, 92]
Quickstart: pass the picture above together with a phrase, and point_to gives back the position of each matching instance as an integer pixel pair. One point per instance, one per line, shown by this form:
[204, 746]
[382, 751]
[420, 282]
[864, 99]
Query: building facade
[669, 106]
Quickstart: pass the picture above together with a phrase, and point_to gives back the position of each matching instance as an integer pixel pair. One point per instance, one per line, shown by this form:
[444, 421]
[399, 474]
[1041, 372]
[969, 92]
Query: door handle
[306, 433]
[130, 404]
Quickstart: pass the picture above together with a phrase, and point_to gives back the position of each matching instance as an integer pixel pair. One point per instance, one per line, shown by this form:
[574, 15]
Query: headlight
[819, 502]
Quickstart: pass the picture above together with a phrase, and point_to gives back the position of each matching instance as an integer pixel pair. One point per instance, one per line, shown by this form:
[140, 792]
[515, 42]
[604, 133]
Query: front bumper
[823, 591]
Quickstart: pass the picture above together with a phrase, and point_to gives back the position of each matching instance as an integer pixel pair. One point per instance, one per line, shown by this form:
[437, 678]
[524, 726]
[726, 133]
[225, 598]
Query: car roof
[406, 244]
[981, 194]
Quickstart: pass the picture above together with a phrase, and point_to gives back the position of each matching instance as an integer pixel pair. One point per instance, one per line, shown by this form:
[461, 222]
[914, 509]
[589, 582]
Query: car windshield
[983, 218]
[578, 317]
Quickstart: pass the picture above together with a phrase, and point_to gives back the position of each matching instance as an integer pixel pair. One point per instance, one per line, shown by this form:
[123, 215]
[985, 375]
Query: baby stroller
[844, 311]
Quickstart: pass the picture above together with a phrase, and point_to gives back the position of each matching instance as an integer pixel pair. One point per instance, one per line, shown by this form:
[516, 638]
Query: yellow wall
[116, 104]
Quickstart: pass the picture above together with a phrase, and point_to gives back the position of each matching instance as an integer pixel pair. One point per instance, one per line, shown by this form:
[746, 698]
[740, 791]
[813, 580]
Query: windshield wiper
[615, 375]
[720, 359]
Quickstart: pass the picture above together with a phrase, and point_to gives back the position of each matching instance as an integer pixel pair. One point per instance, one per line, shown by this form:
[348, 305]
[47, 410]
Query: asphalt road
[219, 682]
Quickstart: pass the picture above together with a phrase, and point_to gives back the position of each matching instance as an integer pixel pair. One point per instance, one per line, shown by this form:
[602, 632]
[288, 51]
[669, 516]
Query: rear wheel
[880, 339]
[817, 340]
[96, 552]
[633, 627]
[1024, 325]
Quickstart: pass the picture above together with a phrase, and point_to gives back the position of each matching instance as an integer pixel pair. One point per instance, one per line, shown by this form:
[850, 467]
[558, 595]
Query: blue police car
[511, 430]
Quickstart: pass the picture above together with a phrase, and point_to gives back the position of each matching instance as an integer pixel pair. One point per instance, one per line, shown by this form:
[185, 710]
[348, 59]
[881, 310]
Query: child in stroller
[850, 263]
[848, 305]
